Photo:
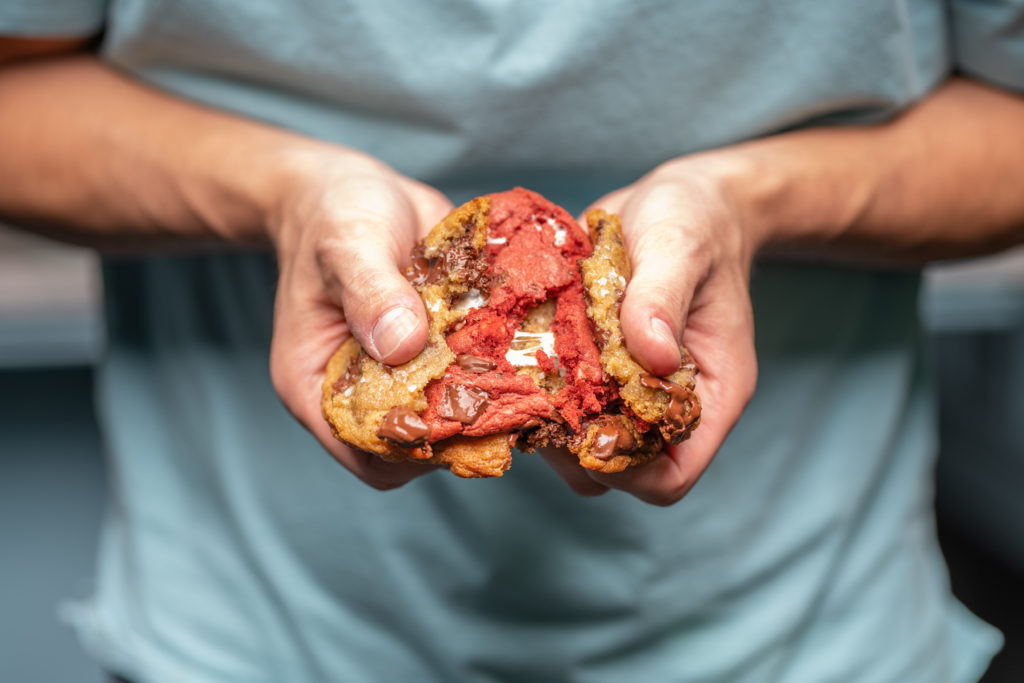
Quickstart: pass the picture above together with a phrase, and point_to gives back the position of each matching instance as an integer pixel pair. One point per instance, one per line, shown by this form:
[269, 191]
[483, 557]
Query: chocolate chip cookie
[524, 349]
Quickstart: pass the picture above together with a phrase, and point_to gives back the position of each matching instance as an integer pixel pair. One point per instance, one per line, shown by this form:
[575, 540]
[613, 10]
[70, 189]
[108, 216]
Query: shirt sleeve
[988, 40]
[51, 18]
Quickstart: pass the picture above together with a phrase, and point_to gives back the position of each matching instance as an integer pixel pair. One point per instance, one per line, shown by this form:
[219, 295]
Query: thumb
[383, 311]
[658, 296]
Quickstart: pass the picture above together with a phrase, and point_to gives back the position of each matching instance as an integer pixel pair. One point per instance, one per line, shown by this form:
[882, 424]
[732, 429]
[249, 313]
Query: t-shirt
[234, 549]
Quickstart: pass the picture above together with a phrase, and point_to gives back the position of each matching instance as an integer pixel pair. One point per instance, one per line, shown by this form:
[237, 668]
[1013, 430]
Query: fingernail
[393, 328]
[661, 329]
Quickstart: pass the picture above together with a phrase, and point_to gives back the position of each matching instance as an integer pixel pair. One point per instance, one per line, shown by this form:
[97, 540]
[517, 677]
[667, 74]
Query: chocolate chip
[471, 363]
[423, 271]
[463, 262]
[464, 404]
[611, 437]
[460, 261]
[343, 382]
[604, 444]
[403, 427]
[682, 412]
[348, 378]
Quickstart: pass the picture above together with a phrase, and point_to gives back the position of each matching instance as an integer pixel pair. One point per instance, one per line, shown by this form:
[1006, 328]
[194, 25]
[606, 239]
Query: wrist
[794, 192]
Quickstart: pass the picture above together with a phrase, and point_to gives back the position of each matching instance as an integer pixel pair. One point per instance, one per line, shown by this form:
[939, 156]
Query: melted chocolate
[605, 442]
[682, 413]
[464, 263]
[403, 427]
[464, 404]
[611, 438]
[348, 378]
[471, 363]
[422, 271]
[460, 262]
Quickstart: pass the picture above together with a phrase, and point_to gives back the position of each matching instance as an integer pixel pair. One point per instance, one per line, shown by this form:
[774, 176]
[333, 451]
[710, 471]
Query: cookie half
[524, 349]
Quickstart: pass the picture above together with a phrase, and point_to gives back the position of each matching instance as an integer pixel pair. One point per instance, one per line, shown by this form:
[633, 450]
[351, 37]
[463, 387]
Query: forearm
[93, 156]
[944, 180]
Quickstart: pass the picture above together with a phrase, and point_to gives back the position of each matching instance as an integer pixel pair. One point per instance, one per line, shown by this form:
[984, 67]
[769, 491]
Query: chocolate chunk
[344, 382]
[471, 363]
[423, 271]
[464, 404]
[682, 413]
[680, 417]
[460, 262]
[465, 263]
[403, 427]
[611, 437]
[604, 444]
[349, 377]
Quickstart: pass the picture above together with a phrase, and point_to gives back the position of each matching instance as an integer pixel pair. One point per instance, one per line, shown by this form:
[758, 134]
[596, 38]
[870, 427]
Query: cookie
[524, 349]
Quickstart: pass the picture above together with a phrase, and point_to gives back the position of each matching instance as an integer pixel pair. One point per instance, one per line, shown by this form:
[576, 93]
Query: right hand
[691, 245]
[342, 229]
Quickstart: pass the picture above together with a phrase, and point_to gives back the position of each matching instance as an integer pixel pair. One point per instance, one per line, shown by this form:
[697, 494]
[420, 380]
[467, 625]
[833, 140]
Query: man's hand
[342, 232]
[691, 254]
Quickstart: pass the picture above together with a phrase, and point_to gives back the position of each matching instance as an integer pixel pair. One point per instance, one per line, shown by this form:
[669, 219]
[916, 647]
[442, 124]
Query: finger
[668, 265]
[360, 267]
[568, 468]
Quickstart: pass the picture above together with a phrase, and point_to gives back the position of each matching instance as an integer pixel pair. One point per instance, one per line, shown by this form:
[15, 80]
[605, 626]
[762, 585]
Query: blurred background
[52, 479]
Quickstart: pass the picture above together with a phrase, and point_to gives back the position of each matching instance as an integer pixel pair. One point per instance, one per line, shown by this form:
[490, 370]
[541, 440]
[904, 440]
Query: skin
[940, 181]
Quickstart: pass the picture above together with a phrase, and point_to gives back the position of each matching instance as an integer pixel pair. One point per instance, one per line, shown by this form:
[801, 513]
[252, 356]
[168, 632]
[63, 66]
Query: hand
[342, 228]
[690, 251]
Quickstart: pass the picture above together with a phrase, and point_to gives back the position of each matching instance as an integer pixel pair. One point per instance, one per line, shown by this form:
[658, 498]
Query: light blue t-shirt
[234, 549]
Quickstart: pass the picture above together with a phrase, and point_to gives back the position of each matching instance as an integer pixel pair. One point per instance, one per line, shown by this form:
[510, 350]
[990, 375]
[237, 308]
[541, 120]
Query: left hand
[691, 251]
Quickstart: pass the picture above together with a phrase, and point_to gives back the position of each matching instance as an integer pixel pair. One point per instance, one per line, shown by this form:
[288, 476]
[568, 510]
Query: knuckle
[327, 253]
[672, 244]
[661, 240]
[365, 228]
[365, 281]
[366, 292]
[658, 296]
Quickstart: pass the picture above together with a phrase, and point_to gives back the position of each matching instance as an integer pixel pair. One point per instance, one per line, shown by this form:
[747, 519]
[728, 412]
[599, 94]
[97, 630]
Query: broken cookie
[524, 349]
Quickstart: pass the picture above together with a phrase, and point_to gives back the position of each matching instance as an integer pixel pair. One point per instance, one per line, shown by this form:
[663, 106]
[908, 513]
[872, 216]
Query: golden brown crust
[471, 457]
